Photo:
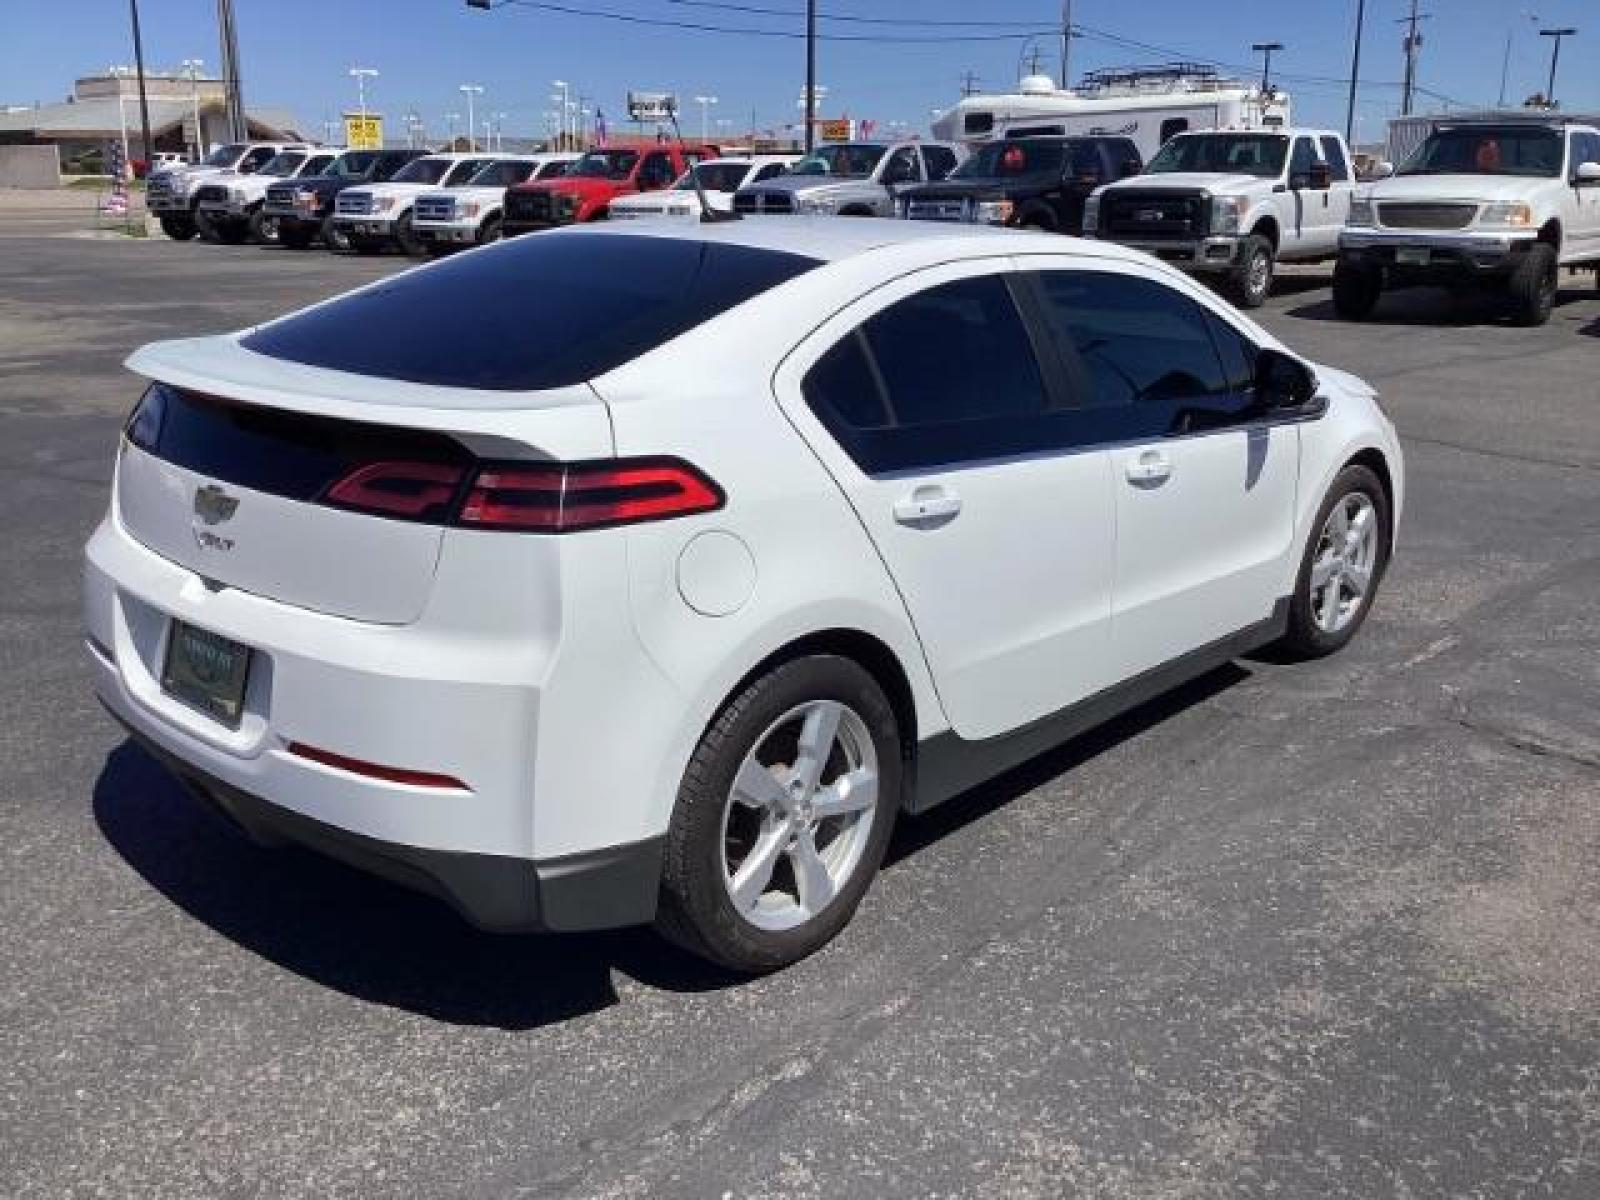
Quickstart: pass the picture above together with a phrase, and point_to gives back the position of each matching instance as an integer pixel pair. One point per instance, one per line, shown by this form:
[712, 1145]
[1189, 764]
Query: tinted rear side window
[537, 312]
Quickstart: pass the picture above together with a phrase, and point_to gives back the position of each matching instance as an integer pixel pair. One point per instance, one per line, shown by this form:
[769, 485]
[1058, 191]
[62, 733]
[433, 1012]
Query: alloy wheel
[799, 815]
[1346, 558]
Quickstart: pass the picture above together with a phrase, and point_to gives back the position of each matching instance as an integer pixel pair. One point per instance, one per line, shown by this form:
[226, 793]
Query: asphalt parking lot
[1293, 931]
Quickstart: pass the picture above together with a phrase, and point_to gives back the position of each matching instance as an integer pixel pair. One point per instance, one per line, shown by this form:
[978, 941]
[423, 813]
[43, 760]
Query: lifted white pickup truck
[1505, 203]
[470, 215]
[1232, 204]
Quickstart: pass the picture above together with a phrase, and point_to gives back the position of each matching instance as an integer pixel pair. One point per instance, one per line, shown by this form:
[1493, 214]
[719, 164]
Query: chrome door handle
[1151, 467]
[931, 504]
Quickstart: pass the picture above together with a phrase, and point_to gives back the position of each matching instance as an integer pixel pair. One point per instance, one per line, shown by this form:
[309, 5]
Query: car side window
[902, 167]
[939, 160]
[770, 171]
[1333, 155]
[1585, 149]
[1085, 164]
[656, 172]
[551, 169]
[942, 377]
[1237, 352]
[256, 159]
[1304, 157]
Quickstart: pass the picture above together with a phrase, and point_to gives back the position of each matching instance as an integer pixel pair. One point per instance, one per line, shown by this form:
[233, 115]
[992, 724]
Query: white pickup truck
[379, 214]
[230, 207]
[1232, 204]
[170, 194]
[470, 215]
[1503, 203]
[720, 178]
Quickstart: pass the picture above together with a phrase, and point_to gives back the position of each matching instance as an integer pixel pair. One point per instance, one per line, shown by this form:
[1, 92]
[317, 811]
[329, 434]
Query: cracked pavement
[1323, 930]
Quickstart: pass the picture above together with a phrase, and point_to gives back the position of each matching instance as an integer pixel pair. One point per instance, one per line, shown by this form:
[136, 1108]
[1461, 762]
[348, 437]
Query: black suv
[304, 207]
[1030, 182]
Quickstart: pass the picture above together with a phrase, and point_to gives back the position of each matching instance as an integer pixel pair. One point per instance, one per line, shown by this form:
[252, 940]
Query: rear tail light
[529, 497]
[358, 766]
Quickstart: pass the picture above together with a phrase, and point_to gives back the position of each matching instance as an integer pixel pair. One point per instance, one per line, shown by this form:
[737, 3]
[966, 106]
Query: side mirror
[1382, 170]
[1587, 173]
[1282, 382]
[1321, 177]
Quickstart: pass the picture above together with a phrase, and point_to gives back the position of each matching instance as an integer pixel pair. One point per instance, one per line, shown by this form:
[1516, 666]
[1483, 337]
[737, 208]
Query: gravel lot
[1308, 931]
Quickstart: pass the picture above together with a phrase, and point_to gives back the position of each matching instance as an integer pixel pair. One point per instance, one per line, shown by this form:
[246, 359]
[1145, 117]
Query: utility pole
[811, 75]
[1066, 43]
[361, 75]
[238, 127]
[138, 62]
[1555, 57]
[1413, 42]
[191, 68]
[1265, 49]
[1355, 74]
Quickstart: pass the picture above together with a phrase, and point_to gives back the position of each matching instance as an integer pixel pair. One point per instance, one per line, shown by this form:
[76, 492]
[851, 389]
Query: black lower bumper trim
[599, 889]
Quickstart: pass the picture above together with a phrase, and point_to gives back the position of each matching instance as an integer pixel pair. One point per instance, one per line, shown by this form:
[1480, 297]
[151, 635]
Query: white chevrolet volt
[648, 572]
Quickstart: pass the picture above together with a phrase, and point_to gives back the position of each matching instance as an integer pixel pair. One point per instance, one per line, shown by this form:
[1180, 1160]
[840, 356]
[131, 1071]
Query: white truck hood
[467, 195]
[1217, 183]
[1480, 188]
[670, 202]
[408, 191]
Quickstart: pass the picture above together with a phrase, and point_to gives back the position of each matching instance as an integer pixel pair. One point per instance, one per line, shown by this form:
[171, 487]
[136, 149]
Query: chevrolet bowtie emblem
[213, 505]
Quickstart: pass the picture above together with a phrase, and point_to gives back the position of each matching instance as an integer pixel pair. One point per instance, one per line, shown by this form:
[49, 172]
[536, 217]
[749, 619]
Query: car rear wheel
[1251, 279]
[1356, 290]
[1341, 568]
[263, 228]
[783, 816]
[335, 238]
[1533, 285]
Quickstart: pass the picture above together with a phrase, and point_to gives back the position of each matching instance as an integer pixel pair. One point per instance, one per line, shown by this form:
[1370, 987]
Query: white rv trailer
[1147, 104]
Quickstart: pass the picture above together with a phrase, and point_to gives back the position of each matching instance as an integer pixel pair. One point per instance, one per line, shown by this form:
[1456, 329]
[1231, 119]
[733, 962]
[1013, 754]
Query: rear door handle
[1152, 466]
[930, 504]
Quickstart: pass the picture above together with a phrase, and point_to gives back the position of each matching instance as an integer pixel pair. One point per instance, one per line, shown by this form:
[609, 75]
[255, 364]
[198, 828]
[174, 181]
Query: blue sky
[296, 52]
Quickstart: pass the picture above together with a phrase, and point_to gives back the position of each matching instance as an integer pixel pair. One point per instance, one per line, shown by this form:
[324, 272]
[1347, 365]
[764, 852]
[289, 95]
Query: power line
[573, 10]
[762, 10]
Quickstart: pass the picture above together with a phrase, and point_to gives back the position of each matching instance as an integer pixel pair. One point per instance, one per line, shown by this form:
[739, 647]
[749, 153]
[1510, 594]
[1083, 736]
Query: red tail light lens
[358, 766]
[570, 497]
[413, 491]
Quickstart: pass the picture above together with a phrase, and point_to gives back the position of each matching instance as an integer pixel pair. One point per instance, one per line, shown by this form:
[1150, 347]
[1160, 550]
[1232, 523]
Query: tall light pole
[138, 62]
[233, 89]
[450, 120]
[1355, 74]
[705, 103]
[811, 75]
[1555, 57]
[566, 93]
[1265, 49]
[469, 90]
[191, 68]
[499, 131]
[361, 75]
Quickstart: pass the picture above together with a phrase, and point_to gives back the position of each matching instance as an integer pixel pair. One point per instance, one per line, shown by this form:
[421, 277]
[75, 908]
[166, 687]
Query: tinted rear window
[541, 311]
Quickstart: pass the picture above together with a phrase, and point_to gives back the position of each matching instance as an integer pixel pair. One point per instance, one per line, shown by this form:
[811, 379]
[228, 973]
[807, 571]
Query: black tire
[1305, 638]
[1356, 289]
[295, 236]
[205, 226]
[230, 232]
[489, 231]
[1532, 286]
[1250, 281]
[363, 245]
[263, 228]
[333, 237]
[406, 238]
[696, 910]
[178, 226]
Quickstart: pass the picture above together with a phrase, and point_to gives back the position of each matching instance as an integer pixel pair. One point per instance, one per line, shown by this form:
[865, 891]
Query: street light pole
[469, 90]
[138, 62]
[705, 103]
[191, 67]
[811, 75]
[1355, 74]
[1265, 49]
[1555, 57]
[565, 101]
[450, 122]
[361, 75]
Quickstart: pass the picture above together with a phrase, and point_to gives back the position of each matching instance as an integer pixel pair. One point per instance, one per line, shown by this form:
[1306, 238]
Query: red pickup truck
[586, 190]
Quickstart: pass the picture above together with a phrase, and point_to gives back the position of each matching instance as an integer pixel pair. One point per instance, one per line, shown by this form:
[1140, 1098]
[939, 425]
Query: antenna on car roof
[708, 215]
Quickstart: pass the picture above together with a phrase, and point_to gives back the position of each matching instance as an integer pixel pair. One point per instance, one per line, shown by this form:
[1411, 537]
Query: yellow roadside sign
[363, 132]
[834, 131]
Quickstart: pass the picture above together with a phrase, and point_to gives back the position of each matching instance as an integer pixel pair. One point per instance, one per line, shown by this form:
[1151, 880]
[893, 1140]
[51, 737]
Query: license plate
[207, 672]
[1411, 256]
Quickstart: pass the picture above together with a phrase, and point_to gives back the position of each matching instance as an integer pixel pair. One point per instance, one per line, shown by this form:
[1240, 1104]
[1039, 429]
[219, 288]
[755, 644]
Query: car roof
[834, 239]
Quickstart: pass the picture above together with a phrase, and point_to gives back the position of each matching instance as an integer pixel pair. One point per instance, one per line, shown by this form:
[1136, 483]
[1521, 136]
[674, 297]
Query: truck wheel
[263, 228]
[205, 226]
[335, 238]
[1251, 279]
[178, 226]
[230, 232]
[410, 243]
[1533, 285]
[489, 231]
[782, 816]
[1356, 290]
[296, 236]
[363, 245]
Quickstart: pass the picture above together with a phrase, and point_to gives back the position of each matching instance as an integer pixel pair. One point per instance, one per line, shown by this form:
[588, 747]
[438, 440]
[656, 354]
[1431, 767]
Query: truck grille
[763, 202]
[529, 207]
[281, 197]
[354, 204]
[937, 210]
[434, 208]
[1153, 216]
[212, 193]
[1408, 215]
[161, 185]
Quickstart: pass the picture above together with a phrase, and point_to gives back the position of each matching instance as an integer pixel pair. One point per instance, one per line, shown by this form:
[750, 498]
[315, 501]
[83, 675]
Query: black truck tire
[1532, 286]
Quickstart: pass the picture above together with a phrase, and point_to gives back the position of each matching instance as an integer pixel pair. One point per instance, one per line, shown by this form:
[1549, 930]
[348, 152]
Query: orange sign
[834, 131]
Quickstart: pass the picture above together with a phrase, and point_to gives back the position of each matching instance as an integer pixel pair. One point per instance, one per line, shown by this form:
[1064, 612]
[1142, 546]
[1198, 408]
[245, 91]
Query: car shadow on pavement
[361, 935]
[1440, 307]
[915, 834]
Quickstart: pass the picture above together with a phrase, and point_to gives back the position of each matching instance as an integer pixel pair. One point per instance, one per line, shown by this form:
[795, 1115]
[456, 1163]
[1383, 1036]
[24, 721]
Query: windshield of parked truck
[1022, 156]
[1488, 150]
[352, 165]
[502, 174]
[422, 170]
[714, 177]
[282, 165]
[605, 164]
[223, 156]
[1259, 154]
[854, 160]
[461, 174]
